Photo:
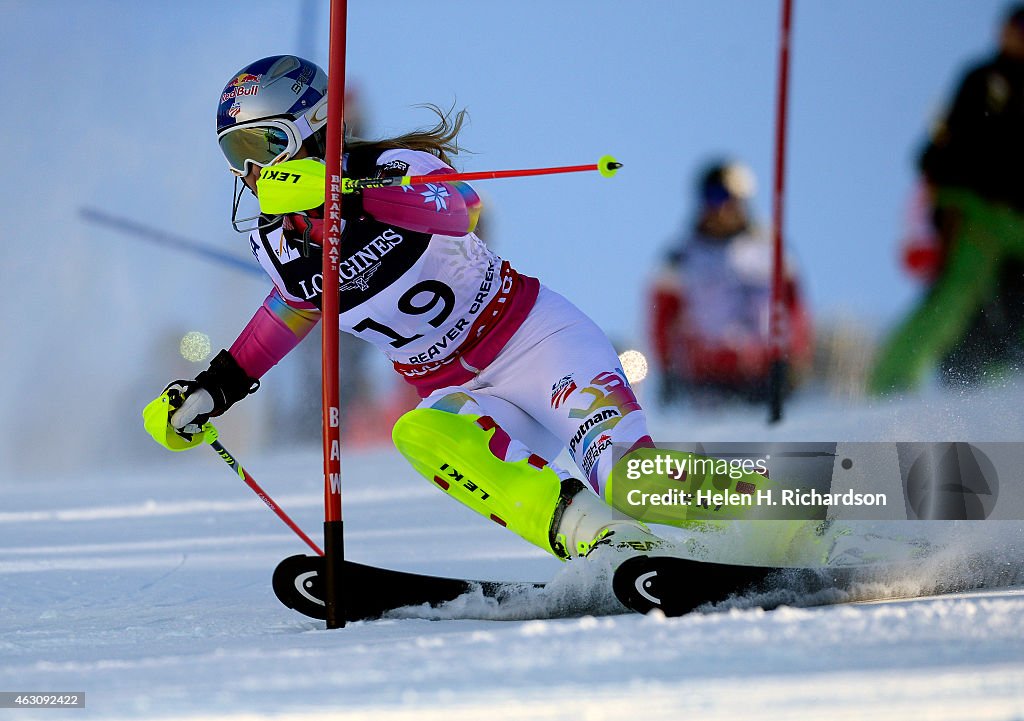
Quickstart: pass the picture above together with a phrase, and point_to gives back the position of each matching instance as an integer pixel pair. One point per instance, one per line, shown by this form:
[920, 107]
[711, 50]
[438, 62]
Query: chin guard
[291, 186]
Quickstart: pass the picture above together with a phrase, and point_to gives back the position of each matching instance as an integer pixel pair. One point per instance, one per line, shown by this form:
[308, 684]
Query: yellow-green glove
[156, 417]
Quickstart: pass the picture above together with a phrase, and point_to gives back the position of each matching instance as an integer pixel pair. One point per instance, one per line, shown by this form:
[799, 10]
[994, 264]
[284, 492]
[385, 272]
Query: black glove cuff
[352, 207]
[226, 382]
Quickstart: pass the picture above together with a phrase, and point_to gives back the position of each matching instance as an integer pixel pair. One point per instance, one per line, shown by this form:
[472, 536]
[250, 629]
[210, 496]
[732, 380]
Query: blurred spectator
[711, 299]
[993, 338]
[971, 318]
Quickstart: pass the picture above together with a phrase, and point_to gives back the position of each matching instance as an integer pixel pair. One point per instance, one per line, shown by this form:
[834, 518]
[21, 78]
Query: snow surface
[149, 589]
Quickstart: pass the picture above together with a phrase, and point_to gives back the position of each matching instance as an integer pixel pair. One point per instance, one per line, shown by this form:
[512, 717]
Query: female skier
[509, 371]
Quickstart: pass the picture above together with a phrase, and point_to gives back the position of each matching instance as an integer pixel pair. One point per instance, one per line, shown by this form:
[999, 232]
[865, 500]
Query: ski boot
[588, 524]
[472, 459]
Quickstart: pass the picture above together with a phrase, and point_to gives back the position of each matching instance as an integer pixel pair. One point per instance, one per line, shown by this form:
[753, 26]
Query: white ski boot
[586, 523]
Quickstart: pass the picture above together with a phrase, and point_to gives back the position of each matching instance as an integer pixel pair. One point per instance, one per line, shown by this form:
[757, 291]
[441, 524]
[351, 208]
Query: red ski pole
[606, 166]
[211, 438]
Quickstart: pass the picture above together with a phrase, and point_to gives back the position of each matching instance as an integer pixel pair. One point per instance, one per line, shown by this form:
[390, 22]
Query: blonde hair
[440, 140]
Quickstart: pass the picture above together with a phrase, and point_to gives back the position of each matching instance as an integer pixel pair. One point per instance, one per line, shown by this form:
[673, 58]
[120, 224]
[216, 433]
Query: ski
[673, 584]
[678, 586]
[373, 591]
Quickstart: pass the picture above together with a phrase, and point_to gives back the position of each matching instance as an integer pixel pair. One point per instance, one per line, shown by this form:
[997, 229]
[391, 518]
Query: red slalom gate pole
[777, 320]
[333, 528]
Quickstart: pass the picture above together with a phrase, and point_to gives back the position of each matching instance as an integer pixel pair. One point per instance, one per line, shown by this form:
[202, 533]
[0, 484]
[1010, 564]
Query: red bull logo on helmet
[246, 78]
[244, 84]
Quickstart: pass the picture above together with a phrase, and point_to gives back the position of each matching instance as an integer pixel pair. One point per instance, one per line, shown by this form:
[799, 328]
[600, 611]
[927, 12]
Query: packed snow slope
[149, 589]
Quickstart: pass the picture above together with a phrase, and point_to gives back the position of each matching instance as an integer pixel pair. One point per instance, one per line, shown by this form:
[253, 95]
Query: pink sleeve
[442, 208]
[274, 330]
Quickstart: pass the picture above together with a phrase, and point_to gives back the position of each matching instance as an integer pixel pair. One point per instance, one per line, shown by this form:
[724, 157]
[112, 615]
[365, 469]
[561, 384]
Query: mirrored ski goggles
[266, 142]
[262, 144]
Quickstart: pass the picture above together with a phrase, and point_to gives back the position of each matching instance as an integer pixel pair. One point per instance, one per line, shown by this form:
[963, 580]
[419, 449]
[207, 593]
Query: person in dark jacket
[972, 166]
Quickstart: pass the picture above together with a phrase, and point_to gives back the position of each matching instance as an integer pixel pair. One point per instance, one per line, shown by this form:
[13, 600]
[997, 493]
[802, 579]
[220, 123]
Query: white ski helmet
[271, 108]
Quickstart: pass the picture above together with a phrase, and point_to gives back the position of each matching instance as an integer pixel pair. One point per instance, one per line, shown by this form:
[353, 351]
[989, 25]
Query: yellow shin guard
[462, 455]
